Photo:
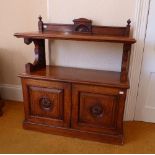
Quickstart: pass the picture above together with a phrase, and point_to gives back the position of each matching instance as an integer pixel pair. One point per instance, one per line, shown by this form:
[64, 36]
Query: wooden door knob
[46, 104]
[97, 111]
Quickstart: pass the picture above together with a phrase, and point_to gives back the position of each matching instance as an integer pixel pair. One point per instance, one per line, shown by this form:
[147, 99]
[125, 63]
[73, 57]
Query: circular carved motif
[97, 110]
[45, 103]
[82, 28]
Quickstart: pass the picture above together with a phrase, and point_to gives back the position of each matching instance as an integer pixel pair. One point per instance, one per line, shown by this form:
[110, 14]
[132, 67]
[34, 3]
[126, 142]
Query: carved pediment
[82, 25]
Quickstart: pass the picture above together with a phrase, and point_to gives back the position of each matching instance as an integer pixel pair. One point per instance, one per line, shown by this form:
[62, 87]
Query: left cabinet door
[47, 103]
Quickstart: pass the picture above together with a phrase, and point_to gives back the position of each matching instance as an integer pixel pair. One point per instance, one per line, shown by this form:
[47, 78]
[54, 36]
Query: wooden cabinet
[75, 102]
[75, 107]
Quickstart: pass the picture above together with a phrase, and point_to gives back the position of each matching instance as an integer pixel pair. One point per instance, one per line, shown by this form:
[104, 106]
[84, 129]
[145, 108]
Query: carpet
[139, 138]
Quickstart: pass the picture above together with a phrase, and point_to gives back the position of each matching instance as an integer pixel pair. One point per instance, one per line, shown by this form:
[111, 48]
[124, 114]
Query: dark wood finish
[82, 25]
[40, 24]
[94, 29]
[97, 109]
[75, 102]
[69, 132]
[77, 37]
[77, 75]
[55, 111]
[127, 33]
[75, 32]
[105, 125]
[81, 30]
[40, 60]
[125, 62]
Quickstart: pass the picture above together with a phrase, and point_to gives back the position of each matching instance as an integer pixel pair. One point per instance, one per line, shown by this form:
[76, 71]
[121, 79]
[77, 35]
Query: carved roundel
[82, 25]
[82, 28]
[45, 103]
[97, 110]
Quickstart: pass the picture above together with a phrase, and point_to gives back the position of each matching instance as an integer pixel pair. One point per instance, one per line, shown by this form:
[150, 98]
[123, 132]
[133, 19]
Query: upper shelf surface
[76, 36]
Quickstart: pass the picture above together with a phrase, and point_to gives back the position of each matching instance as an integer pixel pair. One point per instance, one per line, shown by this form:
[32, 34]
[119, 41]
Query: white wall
[17, 16]
[85, 54]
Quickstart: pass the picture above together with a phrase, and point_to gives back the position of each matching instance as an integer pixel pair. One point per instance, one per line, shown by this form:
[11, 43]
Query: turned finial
[128, 22]
[40, 18]
[40, 24]
[127, 32]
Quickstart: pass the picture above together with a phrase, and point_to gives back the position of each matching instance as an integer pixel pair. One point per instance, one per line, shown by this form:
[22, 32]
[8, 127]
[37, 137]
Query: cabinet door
[98, 109]
[47, 103]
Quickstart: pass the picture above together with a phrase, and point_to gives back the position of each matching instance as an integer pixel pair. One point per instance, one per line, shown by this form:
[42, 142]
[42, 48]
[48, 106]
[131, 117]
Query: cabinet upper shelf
[76, 36]
[81, 30]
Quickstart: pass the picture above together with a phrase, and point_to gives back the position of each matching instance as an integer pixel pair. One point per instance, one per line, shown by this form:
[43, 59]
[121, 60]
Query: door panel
[97, 109]
[47, 103]
[145, 109]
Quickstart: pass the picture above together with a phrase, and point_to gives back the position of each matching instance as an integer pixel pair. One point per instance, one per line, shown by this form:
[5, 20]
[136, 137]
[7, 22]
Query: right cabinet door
[98, 109]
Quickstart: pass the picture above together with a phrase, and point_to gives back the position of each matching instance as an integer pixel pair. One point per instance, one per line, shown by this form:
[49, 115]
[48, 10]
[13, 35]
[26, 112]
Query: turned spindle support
[126, 55]
[40, 60]
[125, 62]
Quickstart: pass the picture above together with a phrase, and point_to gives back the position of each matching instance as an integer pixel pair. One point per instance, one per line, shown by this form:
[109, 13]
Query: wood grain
[39, 50]
[59, 96]
[87, 97]
[77, 75]
[77, 37]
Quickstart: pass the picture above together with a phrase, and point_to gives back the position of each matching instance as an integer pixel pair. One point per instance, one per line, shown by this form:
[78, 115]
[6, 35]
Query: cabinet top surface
[76, 75]
[76, 36]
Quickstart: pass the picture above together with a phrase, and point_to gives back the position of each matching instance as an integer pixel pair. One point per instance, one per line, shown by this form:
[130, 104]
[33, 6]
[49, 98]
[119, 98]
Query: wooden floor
[139, 138]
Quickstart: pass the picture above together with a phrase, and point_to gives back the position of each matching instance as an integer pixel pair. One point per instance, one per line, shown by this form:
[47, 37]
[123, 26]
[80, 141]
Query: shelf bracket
[40, 60]
[125, 62]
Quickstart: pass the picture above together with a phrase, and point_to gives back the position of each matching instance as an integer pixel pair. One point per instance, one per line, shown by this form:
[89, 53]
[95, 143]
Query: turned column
[126, 55]
[125, 62]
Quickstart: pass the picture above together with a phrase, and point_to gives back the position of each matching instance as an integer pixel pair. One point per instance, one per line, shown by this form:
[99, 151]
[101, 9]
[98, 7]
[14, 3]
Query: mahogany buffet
[83, 103]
